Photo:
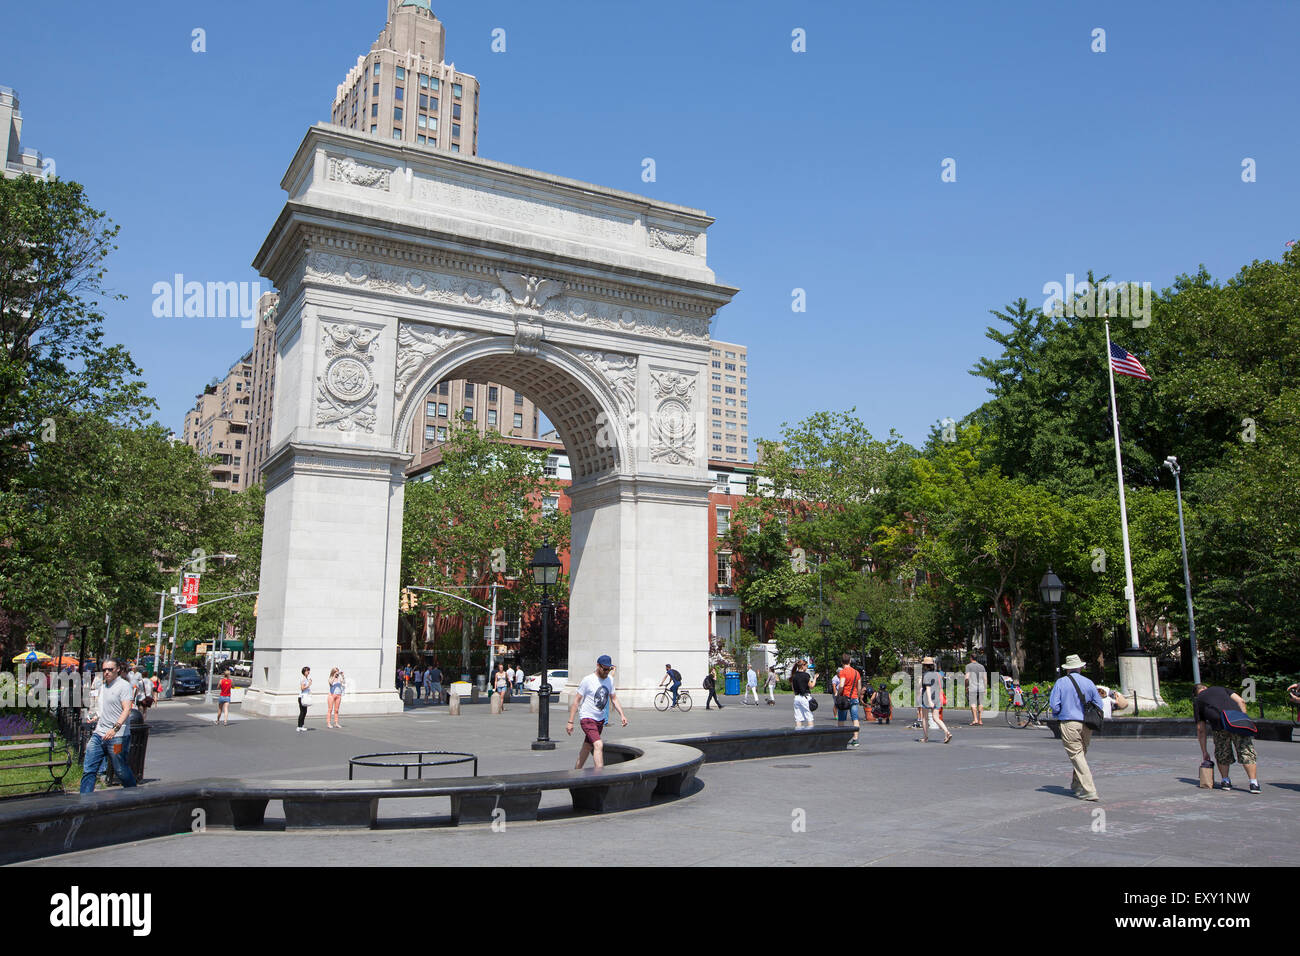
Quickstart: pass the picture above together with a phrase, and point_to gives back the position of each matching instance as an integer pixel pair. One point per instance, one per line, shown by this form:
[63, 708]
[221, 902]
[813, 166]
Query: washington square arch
[399, 267]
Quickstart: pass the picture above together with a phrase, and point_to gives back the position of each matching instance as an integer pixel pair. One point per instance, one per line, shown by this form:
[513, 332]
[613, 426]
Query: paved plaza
[994, 796]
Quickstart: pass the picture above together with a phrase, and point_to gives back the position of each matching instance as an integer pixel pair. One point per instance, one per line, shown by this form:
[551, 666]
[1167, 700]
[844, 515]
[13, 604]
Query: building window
[552, 466]
[444, 388]
[431, 410]
[455, 147]
[731, 449]
[717, 364]
[433, 82]
[433, 104]
[442, 409]
[238, 444]
[731, 390]
[731, 401]
[455, 130]
[397, 114]
[717, 376]
[430, 433]
[455, 111]
[717, 388]
[469, 389]
[519, 420]
[724, 521]
[717, 448]
[419, 138]
[375, 91]
[456, 90]
[442, 433]
[374, 128]
[424, 101]
[724, 569]
[374, 109]
[731, 355]
[469, 413]
[492, 418]
[397, 132]
[376, 69]
[730, 366]
[399, 93]
[723, 484]
[550, 505]
[492, 393]
[731, 378]
[424, 82]
[731, 426]
[401, 72]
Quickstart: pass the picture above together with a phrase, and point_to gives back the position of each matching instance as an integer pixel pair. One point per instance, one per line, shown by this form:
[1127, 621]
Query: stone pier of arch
[399, 267]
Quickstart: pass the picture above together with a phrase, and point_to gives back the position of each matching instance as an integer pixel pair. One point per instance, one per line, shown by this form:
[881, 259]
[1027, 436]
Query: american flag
[1124, 363]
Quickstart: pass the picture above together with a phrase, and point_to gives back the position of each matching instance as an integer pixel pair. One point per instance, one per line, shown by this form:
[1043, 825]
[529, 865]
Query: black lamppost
[864, 624]
[61, 632]
[825, 626]
[546, 572]
[1051, 589]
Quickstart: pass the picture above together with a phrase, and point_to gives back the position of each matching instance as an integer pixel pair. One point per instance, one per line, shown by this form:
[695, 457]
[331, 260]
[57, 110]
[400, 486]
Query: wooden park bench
[58, 769]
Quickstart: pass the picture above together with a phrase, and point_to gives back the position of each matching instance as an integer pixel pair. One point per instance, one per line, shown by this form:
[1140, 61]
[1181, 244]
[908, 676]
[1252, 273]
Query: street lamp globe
[1050, 588]
[545, 566]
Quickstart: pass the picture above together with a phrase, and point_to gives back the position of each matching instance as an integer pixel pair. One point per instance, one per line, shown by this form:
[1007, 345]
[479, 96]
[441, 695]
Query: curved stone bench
[636, 771]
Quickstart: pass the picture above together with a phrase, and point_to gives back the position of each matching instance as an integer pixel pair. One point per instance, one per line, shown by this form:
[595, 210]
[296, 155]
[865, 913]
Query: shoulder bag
[1093, 718]
[1239, 722]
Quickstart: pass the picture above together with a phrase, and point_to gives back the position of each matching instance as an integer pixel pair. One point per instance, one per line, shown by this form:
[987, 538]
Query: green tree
[477, 519]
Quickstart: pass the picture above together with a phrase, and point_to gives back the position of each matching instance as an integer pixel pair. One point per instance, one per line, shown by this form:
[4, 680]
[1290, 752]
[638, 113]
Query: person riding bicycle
[673, 677]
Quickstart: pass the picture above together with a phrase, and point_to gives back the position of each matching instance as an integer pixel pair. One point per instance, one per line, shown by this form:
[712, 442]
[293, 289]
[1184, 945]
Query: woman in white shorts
[803, 684]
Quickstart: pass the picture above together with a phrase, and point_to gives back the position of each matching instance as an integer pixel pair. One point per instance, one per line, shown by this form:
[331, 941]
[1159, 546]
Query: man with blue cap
[594, 693]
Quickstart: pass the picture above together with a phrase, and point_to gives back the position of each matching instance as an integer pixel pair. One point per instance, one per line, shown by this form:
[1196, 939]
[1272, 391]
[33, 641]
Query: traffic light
[408, 600]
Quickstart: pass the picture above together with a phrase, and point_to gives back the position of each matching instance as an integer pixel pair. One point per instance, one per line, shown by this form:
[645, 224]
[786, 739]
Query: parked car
[556, 678]
[187, 680]
[241, 668]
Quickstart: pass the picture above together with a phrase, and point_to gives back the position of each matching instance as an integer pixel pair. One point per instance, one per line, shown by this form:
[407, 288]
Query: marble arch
[398, 267]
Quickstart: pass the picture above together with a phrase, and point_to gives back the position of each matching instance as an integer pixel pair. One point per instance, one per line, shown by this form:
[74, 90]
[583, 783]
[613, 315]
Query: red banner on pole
[191, 593]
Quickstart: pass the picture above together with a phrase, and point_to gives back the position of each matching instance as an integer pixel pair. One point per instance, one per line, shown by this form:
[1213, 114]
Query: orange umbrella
[61, 662]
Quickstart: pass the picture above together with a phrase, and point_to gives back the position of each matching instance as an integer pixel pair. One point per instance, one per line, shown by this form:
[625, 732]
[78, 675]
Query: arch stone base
[398, 268]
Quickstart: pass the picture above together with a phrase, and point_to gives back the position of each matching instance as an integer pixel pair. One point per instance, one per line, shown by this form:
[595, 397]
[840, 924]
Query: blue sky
[822, 168]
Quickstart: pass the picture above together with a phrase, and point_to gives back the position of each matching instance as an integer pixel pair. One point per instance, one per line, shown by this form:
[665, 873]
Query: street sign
[191, 593]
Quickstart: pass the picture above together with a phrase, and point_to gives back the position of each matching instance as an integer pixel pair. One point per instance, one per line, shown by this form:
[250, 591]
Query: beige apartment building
[18, 161]
[403, 90]
[263, 393]
[729, 405]
[217, 425]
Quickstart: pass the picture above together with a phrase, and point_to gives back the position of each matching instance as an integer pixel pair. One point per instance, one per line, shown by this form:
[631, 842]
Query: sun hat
[1072, 663]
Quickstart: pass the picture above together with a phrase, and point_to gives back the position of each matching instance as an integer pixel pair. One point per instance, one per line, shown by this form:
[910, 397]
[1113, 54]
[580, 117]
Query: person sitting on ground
[1111, 700]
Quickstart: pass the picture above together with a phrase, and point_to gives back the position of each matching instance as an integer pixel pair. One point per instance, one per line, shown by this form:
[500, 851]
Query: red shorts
[591, 729]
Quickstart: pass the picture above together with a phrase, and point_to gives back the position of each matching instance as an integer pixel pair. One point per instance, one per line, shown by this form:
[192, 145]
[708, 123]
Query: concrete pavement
[994, 796]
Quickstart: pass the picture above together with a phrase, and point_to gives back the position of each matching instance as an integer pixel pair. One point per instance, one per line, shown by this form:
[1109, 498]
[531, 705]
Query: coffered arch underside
[586, 411]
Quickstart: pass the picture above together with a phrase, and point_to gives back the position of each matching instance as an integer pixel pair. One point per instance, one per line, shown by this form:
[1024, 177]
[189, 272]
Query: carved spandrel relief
[345, 169]
[672, 430]
[619, 372]
[416, 348]
[346, 392]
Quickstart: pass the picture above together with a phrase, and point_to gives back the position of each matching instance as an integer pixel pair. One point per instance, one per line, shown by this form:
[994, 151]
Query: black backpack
[677, 678]
[882, 698]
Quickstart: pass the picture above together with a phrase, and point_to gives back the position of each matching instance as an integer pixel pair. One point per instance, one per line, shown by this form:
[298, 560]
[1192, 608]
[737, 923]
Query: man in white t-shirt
[594, 693]
[510, 679]
[751, 684]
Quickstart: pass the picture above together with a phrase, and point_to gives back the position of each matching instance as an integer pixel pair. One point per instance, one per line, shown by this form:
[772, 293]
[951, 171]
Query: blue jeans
[674, 690]
[99, 752]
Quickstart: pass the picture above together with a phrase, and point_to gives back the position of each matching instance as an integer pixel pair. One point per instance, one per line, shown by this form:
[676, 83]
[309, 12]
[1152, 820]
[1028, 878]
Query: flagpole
[1123, 510]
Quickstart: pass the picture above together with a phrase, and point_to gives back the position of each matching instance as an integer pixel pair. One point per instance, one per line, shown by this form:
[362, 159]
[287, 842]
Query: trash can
[135, 753]
[732, 683]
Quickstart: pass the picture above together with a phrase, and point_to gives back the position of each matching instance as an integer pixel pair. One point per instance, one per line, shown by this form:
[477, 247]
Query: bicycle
[664, 700]
[1036, 710]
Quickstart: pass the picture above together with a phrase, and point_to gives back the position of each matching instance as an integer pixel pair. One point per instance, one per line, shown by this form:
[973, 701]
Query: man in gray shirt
[112, 732]
[977, 690]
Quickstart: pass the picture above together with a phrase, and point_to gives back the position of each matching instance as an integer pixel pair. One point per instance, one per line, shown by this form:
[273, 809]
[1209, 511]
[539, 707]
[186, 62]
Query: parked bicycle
[664, 700]
[1036, 710]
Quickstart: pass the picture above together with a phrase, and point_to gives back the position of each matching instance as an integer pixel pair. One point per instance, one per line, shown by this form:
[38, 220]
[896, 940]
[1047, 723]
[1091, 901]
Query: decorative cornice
[345, 169]
[672, 241]
[312, 239]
